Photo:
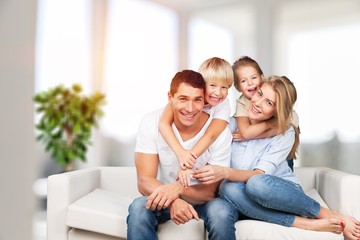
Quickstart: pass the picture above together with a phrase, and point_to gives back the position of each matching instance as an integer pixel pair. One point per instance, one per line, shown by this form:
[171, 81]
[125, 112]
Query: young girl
[219, 77]
[248, 78]
[260, 184]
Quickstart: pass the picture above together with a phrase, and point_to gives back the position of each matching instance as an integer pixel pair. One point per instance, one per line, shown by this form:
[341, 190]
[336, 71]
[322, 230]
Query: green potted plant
[66, 119]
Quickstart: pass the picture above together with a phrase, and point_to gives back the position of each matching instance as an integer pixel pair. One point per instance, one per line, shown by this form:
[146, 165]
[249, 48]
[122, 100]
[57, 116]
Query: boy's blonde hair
[217, 70]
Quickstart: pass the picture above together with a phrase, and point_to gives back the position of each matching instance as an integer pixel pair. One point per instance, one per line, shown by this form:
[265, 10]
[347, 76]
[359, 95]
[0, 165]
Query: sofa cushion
[105, 212]
[192, 230]
[258, 230]
[253, 229]
[100, 211]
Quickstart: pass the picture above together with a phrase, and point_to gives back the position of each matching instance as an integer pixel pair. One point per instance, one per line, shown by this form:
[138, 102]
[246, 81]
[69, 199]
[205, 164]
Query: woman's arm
[184, 156]
[212, 173]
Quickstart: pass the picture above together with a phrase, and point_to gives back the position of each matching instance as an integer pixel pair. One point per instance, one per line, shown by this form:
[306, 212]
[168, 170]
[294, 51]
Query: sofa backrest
[120, 180]
[307, 177]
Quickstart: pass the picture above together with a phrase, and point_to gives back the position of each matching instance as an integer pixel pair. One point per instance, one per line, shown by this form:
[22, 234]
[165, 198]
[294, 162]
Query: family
[193, 161]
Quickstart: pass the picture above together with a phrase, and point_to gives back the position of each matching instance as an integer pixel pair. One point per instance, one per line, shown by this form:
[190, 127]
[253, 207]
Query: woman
[260, 184]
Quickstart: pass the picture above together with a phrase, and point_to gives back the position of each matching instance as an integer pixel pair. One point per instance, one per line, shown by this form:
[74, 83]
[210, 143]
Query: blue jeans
[269, 198]
[219, 217]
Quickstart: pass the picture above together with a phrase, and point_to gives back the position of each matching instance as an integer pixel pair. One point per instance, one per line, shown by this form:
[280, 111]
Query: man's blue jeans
[219, 217]
[269, 198]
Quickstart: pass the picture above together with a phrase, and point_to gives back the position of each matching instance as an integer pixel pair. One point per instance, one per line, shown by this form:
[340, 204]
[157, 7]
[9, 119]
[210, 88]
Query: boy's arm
[184, 156]
[253, 131]
[212, 132]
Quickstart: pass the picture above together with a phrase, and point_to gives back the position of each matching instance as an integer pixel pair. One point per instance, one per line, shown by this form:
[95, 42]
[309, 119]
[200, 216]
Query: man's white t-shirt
[149, 140]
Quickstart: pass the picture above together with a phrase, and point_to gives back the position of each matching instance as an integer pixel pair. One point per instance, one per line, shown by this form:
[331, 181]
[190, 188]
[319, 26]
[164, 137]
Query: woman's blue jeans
[219, 217]
[269, 198]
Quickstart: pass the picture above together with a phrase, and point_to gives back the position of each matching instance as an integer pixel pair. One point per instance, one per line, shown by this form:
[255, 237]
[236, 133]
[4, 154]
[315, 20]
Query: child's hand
[187, 159]
[237, 136]
[184, 176]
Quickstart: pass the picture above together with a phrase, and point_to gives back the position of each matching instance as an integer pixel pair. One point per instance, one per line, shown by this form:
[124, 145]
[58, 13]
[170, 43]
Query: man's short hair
[190, 77]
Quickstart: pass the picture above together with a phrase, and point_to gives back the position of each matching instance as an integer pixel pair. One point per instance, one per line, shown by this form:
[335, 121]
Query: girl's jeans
[219, 217]
[269, 198]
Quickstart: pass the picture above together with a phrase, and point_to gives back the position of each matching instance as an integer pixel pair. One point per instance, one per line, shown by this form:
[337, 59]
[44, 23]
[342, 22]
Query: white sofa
[93, 204]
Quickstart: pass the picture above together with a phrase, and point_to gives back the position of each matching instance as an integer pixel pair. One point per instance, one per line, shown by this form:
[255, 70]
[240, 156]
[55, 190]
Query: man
[164, 197]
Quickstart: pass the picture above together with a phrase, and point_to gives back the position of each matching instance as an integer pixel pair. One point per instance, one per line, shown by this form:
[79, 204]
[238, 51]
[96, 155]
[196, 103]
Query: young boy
[219, 77]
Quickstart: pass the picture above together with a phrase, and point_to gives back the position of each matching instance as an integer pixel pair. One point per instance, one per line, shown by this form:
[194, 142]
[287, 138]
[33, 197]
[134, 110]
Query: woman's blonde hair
[286, 97]
[217, 70]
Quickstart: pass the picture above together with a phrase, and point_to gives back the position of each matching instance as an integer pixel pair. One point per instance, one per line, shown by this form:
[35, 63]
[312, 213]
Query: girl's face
[215, 93]
[249, 80]
[263, 104]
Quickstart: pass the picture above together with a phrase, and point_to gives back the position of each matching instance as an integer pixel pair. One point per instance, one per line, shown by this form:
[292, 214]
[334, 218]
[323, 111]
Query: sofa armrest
[63, 190]
[340, 190]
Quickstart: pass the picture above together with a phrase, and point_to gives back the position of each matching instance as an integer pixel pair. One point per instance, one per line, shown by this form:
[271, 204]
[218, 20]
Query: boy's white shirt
[221, 111]
[149, 140]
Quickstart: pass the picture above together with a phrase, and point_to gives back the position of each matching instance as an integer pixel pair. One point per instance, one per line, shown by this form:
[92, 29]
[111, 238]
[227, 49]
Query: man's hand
[181, 212]
[164, 195]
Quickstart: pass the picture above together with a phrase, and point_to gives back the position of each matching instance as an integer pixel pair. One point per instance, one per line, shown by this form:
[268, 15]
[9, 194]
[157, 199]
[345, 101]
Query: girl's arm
[249, 131]
[185, 157]
[212, 132]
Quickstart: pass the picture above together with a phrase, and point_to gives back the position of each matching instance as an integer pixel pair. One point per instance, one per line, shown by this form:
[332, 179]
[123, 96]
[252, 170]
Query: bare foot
[334, 225]
[352, 226]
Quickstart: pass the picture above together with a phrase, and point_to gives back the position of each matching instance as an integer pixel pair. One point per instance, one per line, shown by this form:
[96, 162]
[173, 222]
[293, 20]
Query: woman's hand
[210, 174]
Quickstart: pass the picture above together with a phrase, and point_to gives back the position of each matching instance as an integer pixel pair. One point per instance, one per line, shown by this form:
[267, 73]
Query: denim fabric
[269, 198]
[219, 217]
[291, 164]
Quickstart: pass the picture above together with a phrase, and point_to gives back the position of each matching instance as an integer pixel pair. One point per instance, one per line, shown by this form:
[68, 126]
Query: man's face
[187, 105]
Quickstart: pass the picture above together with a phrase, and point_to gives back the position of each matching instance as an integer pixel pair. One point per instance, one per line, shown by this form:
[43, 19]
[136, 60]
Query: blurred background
[130, 50]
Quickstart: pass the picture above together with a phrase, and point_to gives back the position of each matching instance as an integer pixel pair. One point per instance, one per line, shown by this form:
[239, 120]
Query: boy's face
[215, 93]
[187, 105]
[249, 80]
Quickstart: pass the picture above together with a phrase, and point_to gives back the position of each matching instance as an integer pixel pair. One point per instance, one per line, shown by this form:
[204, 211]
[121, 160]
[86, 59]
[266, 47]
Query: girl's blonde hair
[217, 70]
[286, 97]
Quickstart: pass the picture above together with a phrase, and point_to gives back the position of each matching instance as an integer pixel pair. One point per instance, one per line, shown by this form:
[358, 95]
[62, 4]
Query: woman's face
[263, 104]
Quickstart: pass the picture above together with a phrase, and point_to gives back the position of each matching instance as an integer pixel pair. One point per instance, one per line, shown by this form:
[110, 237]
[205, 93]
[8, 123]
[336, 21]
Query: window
[141, 59]
[63, 44]
[325, 63]
[208, 40]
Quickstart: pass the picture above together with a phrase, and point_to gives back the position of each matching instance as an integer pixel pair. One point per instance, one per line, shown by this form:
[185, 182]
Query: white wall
[18, 165]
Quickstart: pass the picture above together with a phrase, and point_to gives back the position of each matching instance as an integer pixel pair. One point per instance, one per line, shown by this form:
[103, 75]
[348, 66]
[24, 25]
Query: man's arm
[160, 195]
[200, 193]
[146, 168]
